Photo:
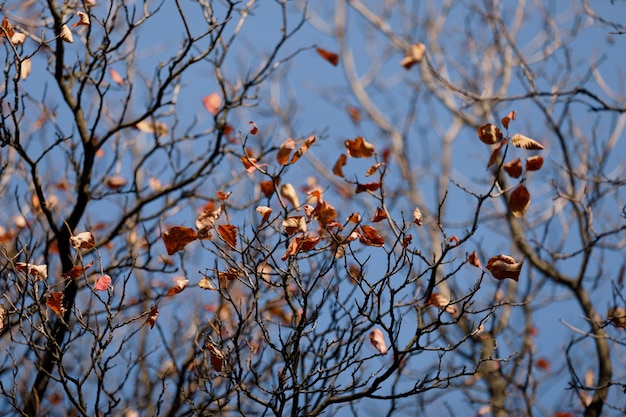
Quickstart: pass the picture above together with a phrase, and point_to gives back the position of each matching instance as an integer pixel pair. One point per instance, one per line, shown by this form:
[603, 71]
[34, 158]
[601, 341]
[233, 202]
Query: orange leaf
[473, 260]
[8, 27]
[103, 283]
[177, 237]
[325, 213]
[442, 302]
[407, 241]
[223, 195]
[228, 233]
[534, 163]
[83, 19]
[507, 119]
[489, 134]
[377, 339]
[369, 236]
[504, 266]
[254, 129]
[519, 201]
[267, 188]
[413, 55]
[302, 149]
[153, 315]
[284, 151]
[338, 167]
[355, 114]
[181, 283]
[115, 182]
[212, 103]
[371, 170]
[495, 152]
[359, 148]
[380, 215]
[513, 168]
[525, 142]
[543, 364]
[331, 57]
[563, 414]
[55, 302]
[146, 126]
[453, 241]
[76, 271]
[370, 186]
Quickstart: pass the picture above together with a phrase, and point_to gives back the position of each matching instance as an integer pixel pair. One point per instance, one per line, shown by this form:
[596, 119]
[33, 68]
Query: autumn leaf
[8, 29]
[288, 192]
[223, 195]
[254, 129]
[519, 201]
[377, 339]
[55, 303]
[284, 151]
[438, 300]
[216, 357]
[534, 163]
[229, 275]
[300, 244]
[147, 126]
[513, 168]
[417, 216]
[102, 284]
[371, 170]
[379, 216]
[543, 364]
[206, 219]
[83, 19]
[355, 114]
[265, 212]
[489, 134]
[338, 167]
[617, 316]
[504, 266]
[370, 186]
[25, 68]
[302, 149]
[369, 236]
[359, 148]
[76, 271]
[331, 57]
[153, 315]
[294, 224]
[18, 38]
[473, 260]
[83, 240]
[267, 188]
[115, 182]
[39, 272]
[325, 213]
[177, 237]
[525, 142]
[413, 55]
[206, 284]
[507, 119]
[116, 77]
[495, 152]
[228, 233]
[181, 283]
[212, 103]
[407, 241]
[66, 34]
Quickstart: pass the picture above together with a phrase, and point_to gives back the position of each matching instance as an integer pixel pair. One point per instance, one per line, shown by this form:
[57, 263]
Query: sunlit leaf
[355, 114]
[473, 260]
[39, 272]
[302, 149]
[177, 237]
[300, 244]
[294, 224]
[377, 339]
[83, 240]
[438, 300]
[116, 77]
[513, 168]
[206, 284]
[181, 283]
[507, 119]
[417, 216]
[359, 148]
[371, 170]
[413, 55]
[525, 142]
[407, 241]
[18, 38]
[284, 151]
[379, 216]
[228, 233]
[212, 103]
[331, 57]
[489, 134]
[543, 364]
[147, 126]
[8, 28]
[115, 182]
[325, 213]
[534, 163]
[55, 303]
[102, 284]
[519, 201]
[370, 186]
[83, 19]
[254, 129]
[504, 266]
[216, 357]
[288, 192]
[267, 188]
[66, 34]
[338, 167]
[206, 220]
[495, 152]
[265, 212]
[617, 316]
[25, 68]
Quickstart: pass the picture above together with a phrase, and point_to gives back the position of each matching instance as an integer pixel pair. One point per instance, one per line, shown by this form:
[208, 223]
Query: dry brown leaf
[83, 19]
[324, 213]
[371, 170]
[377, 339]
[495, 152]
[66, 34]
[359, 148]
[115, 182]
[370, 186]
[525, 142]
[369, 236]
[8, 27]
[39, 272]
[413, 55]
[153, 315]
[55, 303]
[265, 212]
[379, 216]
[76, 271]
[83, 240]
[355, 114]
[513, 168]
[302, 149]
[147, 126]
[294, 224]
[519, 201]
[438, 300]
[417, 216]
[534, 163]
[617, 315]
[473, 260]
[504, 266]
[507, 119]
[177, 237]
[288, 192]
[217, 358]
[284, 151]
[267, 188]
[331, 57]
[116, 77]
[228, 233]
[181, 283]
[489, 134]
[338, 167]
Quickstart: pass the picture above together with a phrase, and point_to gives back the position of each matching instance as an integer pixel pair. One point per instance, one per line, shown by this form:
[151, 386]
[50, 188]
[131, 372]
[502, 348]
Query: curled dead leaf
[288, 192]
[181, 283]
[519, 201]
[338, 167]
[534, 163]
[228, 233]
[439, 300]
[294, 224]
[513, 168]
[489, 134]
[525, 142]
[103, 282]
[83, 240]
[265, 212]
[177, 237]
[507, 119]
[473, 260]
[617, 316]
[66, 34]
[302, 149]
[380, 215]
[417, 216]
[413, 55]
[369, 236]
[55, 303]
[153, 314]
[359, 148]
[504, 266]
[331, 57]
[284, 151]
[39, 272]
[370, 186]
[377, 339]
[83, 19]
